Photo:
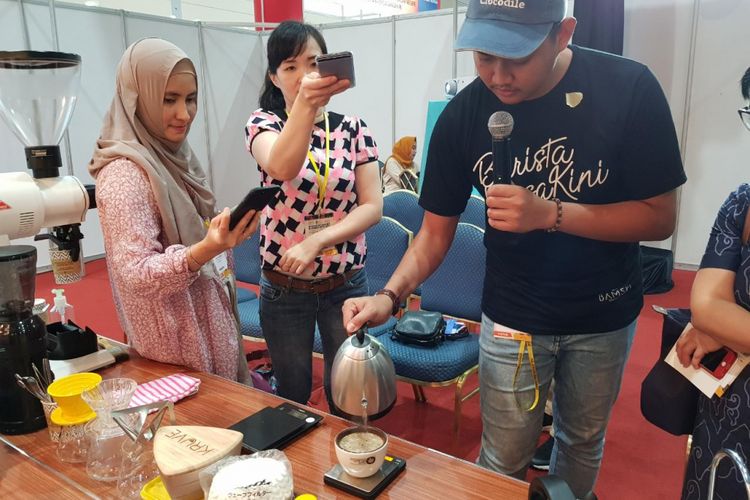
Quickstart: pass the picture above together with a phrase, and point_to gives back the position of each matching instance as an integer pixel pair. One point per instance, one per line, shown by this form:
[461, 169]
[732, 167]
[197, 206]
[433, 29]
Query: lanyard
[524, 347]
[322, 184]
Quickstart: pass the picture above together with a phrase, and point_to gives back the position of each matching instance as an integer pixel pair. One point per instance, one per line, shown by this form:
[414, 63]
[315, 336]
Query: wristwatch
[394, 298]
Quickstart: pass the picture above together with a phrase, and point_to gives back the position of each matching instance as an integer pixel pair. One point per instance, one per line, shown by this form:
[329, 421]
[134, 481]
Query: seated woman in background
[165, 245]
[399, 171]
[312, 242]
[720, 305]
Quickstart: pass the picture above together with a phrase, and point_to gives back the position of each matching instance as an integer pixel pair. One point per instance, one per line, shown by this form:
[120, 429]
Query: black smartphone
[340, 64]
[274, 428]
[256, 199]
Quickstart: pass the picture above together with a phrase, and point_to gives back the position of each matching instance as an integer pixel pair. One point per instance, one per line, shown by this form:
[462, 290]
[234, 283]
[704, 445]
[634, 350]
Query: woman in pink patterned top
[312, 240]
[166, 247]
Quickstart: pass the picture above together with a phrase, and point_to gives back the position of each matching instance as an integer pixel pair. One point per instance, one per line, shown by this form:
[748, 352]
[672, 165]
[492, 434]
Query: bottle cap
[60, 300]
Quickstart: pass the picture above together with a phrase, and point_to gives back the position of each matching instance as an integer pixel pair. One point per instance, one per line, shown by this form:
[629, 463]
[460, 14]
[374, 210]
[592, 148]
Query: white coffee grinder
[37, 96]
[38, 92]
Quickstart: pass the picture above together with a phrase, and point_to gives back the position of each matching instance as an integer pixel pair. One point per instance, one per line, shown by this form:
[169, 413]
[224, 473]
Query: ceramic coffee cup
[360, 450]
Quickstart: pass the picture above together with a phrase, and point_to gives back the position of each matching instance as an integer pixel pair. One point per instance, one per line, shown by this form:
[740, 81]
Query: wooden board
[182, 451]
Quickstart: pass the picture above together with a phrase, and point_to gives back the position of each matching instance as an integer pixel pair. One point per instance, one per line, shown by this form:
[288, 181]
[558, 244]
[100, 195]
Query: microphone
[500, 126]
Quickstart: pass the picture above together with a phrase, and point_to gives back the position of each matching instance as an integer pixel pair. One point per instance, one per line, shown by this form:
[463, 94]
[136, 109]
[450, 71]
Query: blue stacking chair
[247, 260]
[454, 289]
[247, 269]
[250, 320]
[244, 295]
[403, 206]
[475, 212]
[387, 241]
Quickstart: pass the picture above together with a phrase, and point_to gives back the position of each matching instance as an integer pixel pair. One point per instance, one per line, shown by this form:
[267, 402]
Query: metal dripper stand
[38, 92]
[138, 467]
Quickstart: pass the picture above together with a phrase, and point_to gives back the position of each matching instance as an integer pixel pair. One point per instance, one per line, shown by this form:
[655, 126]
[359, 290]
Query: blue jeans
[587, 370]
[288, 318]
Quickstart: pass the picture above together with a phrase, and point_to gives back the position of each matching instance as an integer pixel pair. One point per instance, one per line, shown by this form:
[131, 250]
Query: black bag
[669, 400]
[422, 328]
[656, 266]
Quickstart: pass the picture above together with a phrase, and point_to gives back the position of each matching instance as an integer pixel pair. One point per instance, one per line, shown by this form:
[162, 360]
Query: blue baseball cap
[510, 29]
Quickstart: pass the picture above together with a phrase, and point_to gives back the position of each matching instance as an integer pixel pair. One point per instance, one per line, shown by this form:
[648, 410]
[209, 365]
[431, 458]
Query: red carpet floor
[640, 461]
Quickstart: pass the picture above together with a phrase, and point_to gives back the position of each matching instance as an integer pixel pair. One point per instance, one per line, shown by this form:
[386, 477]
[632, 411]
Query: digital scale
[274, 428]
[366, 487]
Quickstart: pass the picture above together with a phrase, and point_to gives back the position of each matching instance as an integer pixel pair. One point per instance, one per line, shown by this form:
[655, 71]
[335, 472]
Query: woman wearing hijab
[399, 171]
[166, 247]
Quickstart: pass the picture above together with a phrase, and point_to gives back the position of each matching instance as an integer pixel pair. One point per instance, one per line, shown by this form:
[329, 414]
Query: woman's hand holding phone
[693, 345]
[225, 238]
[315, 91]
[220, 238]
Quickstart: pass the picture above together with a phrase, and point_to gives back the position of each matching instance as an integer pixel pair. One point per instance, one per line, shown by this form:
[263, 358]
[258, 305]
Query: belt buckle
[323, 285]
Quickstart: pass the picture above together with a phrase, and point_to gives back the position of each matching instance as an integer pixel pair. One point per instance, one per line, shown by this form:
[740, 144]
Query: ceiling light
[91, 3]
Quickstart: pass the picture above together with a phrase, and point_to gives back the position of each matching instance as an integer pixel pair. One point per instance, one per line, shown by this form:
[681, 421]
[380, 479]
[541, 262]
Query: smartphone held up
[256, 199]
[339, 64]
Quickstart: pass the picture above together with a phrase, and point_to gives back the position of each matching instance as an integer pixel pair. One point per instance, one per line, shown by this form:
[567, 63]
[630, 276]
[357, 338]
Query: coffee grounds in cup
[361, 442]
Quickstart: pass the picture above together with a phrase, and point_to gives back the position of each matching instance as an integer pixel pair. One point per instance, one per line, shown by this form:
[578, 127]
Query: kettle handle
[361, 334]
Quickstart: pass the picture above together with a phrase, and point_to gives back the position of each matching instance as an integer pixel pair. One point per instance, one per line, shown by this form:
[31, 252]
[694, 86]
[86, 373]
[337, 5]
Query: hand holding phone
[256, 199]
[340, 65]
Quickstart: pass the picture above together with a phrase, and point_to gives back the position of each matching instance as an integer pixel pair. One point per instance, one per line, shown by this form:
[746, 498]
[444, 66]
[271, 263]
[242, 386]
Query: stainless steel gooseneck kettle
[363, 378]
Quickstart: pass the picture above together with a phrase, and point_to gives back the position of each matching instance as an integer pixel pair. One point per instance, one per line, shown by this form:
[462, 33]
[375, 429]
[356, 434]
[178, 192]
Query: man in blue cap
[595, 165]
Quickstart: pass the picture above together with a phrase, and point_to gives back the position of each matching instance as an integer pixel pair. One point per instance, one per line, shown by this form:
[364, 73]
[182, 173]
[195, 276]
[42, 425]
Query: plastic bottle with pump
[61, 312]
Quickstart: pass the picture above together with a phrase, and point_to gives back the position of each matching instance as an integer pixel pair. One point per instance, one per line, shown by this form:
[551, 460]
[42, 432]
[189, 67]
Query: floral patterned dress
[169, 313]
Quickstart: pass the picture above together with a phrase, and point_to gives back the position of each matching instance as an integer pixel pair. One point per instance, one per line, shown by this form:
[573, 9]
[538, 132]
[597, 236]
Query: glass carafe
[137, 468]
[105, 436]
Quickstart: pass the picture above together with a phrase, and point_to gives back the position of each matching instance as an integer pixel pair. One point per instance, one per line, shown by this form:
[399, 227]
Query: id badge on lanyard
[317, 223]
[220, 263]
[322, 219]
[524, 346]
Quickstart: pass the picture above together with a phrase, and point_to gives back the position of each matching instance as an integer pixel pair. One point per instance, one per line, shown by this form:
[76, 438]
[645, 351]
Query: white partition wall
[371, 45]
[401, 64]
[11, 38]
[235, 64]
[233, 76]
[717, 149]
[424, 61]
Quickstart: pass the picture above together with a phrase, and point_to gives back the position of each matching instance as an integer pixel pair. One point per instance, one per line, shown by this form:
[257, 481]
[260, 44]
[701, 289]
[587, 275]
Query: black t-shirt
[617, 144]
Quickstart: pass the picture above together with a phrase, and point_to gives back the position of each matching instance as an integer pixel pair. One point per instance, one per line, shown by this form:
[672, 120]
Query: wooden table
[220, 403]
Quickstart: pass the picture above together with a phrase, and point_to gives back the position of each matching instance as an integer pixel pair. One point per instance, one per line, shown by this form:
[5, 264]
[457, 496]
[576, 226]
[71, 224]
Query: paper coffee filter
[266, 474]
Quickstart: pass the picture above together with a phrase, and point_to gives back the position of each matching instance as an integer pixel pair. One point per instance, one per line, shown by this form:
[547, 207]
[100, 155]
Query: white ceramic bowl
[363, 462]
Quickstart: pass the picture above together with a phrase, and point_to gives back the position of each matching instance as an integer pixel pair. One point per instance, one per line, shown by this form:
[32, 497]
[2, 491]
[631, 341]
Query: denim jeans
[587, 370]
[288, 318]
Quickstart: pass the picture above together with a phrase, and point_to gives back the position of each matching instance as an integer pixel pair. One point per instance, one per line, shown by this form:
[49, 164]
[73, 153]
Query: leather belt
[321, 285]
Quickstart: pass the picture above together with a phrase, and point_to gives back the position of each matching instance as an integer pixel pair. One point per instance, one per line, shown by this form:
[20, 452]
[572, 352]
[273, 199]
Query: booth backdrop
[695, 48]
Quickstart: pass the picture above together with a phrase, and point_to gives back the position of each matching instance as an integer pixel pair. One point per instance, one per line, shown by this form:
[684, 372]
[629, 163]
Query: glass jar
[73, 444]
[137, 468]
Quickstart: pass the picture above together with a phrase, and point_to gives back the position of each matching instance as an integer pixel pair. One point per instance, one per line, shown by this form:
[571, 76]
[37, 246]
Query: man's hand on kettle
[366, 310]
